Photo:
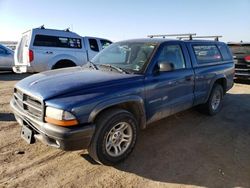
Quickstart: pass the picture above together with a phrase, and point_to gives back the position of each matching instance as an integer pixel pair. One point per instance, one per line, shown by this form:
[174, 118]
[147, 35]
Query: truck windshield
[129, 56]
[240, 48]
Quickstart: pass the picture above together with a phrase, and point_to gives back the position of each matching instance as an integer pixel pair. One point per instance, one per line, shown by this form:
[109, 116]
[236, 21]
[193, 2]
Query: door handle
[172, 83]
[47, 52]
[189, 78]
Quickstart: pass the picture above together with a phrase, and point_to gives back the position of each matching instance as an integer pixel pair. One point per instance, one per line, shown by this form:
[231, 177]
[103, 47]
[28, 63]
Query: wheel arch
[60, 58]
[218, 80]
[64, 62]
[134, 105]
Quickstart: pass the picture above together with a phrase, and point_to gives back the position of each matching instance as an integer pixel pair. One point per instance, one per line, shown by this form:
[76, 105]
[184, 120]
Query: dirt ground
[188, 149]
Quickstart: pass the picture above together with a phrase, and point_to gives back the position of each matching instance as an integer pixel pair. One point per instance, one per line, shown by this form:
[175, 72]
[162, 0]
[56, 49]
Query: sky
[118, 20]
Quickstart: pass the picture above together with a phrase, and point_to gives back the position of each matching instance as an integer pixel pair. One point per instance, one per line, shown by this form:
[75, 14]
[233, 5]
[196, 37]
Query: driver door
[172, 91]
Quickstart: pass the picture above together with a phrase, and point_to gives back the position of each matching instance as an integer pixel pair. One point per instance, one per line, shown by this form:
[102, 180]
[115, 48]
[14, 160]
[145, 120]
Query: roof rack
[216, 37]
[184, 35]
[41, 27]
[67, 29]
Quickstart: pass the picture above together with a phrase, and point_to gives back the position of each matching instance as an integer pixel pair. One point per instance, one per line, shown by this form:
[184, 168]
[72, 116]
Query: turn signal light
[61, 122]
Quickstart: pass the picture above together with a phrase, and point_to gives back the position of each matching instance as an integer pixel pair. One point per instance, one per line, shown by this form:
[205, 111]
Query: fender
[120, 100]
[217, 77]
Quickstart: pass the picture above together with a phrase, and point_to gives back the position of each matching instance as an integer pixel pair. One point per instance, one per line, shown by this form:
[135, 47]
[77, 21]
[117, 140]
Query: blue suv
[130, 84]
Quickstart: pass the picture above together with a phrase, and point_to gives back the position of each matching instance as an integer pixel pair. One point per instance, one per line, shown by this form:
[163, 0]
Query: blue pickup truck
[130, 84]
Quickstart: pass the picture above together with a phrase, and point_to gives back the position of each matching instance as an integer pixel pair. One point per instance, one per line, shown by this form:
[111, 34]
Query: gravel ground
[188, 149]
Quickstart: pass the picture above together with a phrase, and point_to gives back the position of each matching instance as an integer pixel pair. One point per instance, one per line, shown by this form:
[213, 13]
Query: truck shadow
[10, 76]
[194, 149]
[242, 81]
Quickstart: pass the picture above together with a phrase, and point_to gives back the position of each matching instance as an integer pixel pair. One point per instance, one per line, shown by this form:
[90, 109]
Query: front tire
[115, 136]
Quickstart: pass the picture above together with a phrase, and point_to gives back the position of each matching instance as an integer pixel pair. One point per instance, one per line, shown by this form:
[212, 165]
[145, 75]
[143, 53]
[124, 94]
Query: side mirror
[165, 66]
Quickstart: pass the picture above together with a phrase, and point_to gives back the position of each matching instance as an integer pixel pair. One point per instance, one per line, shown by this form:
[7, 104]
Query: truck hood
[53, 83]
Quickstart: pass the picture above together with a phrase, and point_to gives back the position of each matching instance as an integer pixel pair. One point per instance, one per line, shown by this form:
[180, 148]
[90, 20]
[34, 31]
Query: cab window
[225, 52]
[56, 41]
[207, 53]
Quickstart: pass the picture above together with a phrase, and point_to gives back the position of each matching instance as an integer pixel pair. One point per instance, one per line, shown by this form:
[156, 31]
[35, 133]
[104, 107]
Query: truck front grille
[242, 68]
[30, 105]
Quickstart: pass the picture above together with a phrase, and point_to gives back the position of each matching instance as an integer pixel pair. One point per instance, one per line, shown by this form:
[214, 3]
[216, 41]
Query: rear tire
[114, 138]
[214, 103]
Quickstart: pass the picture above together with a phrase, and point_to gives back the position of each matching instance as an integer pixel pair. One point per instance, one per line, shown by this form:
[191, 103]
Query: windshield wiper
[92, 65]
[114, 67]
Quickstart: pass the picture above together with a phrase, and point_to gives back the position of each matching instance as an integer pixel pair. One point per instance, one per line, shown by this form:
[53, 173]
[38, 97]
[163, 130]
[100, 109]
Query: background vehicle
[125, 87]
[9, 44]
[6, 58]
[241, 55]
[43, 49]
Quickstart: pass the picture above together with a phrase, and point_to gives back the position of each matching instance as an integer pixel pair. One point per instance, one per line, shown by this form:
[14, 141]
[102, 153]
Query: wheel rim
[216, 100]
[119, 139]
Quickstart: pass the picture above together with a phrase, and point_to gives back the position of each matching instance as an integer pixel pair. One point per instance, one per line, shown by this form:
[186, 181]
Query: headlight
[60, 117]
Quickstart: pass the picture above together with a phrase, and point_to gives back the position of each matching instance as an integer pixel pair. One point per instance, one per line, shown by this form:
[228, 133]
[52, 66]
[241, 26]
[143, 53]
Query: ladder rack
[43, 27]
[216, 37]
[182, 35]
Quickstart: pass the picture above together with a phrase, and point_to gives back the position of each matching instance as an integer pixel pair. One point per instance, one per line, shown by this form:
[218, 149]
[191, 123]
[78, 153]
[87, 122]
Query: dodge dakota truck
[102, 105]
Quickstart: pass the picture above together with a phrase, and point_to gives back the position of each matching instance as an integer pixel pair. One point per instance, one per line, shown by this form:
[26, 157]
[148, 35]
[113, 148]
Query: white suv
[43, 49]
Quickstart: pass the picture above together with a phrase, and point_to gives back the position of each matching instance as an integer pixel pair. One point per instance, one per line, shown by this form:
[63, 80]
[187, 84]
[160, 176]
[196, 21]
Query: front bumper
[242, 70]
[65, 138]
[240, 76]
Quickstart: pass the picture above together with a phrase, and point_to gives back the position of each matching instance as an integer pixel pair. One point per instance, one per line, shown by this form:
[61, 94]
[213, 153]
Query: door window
[93, 45]
[172, 54]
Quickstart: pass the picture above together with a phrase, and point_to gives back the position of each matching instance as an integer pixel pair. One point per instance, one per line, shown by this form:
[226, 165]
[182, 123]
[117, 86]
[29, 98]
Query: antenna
[182, 35]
